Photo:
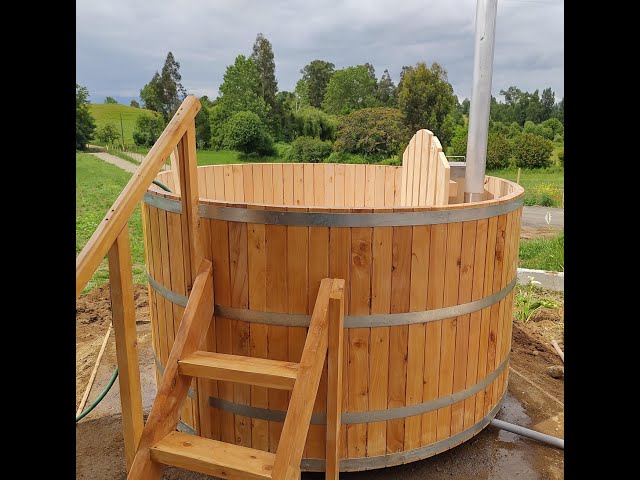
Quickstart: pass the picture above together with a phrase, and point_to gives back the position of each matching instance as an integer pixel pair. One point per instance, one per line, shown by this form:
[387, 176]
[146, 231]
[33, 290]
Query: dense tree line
[350, 110]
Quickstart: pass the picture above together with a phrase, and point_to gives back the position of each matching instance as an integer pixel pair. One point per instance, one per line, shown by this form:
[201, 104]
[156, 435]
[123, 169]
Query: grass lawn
[219, 157]
[543, 253]
[110, 113]
[540, 184]
[98, 184]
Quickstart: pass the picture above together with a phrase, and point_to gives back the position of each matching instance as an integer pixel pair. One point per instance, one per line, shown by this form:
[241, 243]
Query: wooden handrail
[296, 424]
[118, 215]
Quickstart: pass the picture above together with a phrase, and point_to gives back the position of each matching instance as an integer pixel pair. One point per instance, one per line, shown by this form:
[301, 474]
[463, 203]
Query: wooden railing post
[124, 324]
[334, 379]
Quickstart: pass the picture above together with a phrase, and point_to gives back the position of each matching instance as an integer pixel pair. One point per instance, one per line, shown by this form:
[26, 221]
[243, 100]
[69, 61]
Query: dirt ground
[493, 454]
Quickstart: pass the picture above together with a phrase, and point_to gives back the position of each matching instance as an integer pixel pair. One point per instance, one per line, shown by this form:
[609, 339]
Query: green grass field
[98, 184]
[543, 186]
[110, 112]
[542, 253]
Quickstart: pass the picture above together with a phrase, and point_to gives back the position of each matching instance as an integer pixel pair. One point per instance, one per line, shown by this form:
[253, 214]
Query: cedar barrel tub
[428, 302]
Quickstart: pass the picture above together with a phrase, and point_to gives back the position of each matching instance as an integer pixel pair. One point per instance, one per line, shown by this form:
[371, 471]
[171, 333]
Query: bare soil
[492, 454]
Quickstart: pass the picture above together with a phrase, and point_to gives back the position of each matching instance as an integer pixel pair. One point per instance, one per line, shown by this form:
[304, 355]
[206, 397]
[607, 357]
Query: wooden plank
[379, 196]
[492, 229]
[339, 185]
[173, 389]
[294, 432]
[210, 190]
[175, 171]
[258, 184]
[416, 163]
[118, 215]
[219, 238]
[239, 277]
[298, 184]
[449, 326]
[433, 173]
[279, 194]
[247, 179]
[161, 323]
[318, 269]
[398, 336]
[408, 186]
[435, 299]
[358, 367]
[398, 186]
[475, 318]
[318, 184]
[165, 279]
[379, 354]
[308, 184]
[267, 184]
[229, 190]
[148, 256]
[277, 301]
[389, 178]
[257, 261]
[416, 337]
[219, 182]
[370, 186]
[240, 369]
[213, 458]
[359, 188]
[424, 167]
[339, 261]
[462, 331]
[444, 174]
[288, 181]
[349, 185]
[238, 183]
[334, 385]
[402, 190]
[123, 314]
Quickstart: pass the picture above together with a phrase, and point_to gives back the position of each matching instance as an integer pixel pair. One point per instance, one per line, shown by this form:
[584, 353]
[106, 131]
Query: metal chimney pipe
[480, 100]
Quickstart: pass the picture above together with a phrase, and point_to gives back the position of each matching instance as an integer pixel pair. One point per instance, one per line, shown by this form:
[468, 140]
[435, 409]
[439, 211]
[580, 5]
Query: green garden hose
[114, 375]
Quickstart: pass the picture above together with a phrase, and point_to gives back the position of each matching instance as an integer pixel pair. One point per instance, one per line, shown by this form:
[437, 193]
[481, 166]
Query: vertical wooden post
[175, 170]
[124, 324]
[334, 379]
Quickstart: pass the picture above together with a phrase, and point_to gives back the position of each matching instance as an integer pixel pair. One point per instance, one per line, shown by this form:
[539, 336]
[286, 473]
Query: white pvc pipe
[525, 432]
[480, 100]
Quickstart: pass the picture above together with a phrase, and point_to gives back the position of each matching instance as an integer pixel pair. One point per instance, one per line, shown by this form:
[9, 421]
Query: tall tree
[387, 93]
[317, 75]
[164, 93]
[262, 55]
[548, 101]
[85, 123]
[426, 98]
[464, 106]
[350, 89]
[558, 110]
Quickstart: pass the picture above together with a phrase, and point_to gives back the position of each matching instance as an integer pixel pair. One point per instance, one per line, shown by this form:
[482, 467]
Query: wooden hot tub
[428, 302]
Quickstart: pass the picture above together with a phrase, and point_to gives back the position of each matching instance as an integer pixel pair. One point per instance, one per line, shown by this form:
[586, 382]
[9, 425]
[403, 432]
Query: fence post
[123, 311]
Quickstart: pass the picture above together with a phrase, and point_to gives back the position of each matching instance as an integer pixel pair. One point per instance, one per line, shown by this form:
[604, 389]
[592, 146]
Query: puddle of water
[512, 412]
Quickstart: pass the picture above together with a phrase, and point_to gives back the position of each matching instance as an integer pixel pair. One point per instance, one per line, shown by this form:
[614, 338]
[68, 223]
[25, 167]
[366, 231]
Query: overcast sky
[121, 43]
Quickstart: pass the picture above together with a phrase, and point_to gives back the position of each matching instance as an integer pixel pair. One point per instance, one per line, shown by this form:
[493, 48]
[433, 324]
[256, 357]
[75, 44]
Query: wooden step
[212, 457]
[236, 368]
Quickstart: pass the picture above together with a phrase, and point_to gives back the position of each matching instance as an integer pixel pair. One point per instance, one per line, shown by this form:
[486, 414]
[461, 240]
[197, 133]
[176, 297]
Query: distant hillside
[110, 112]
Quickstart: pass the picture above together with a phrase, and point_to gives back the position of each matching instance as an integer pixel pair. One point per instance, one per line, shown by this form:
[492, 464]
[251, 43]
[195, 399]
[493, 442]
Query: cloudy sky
[121, 43]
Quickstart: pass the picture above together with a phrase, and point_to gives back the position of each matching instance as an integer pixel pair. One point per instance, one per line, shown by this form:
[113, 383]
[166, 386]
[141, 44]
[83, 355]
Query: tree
[465, 105]
[350, 89]
[316, 75]
[498, 151]
[458, 144]
[425, 98]
[262, 55]
[203, 128]
[238, 93]
[108, 133]
[313, 122]
[134, 104]
[148, 129]
[547, 102]
[85, 123]
[558, 111]
[301, 93]
[387, 93]
[164, 93]
[532, 151]
[284, 115]
[378, 131]
[309, 149]
[246, 132]
[110, 100]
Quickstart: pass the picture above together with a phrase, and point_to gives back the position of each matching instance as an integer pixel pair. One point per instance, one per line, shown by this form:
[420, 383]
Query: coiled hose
[114, 375]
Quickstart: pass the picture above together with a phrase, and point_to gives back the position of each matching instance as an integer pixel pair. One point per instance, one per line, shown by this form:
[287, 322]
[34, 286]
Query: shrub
[110, 100]
[514, 130]
[561, 157]
[545, 194]
[458, 145]
[540, 129]
[245, 132]
[378, 131]
[555, 125]
[148, 129]
[134, 104]
[309, 149]
[108, 133]
[498, 151]
[341, 157]
[313, 122]
[532, 151]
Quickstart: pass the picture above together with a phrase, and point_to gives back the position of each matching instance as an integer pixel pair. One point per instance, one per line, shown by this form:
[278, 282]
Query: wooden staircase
[161, 445]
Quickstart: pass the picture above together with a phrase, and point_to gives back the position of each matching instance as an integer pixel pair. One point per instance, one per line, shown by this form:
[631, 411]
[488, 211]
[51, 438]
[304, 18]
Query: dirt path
[117, 161]
[492, 454]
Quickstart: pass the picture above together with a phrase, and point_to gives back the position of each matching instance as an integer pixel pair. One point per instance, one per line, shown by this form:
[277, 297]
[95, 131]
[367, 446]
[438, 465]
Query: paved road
[535, 217]
[531, 216]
